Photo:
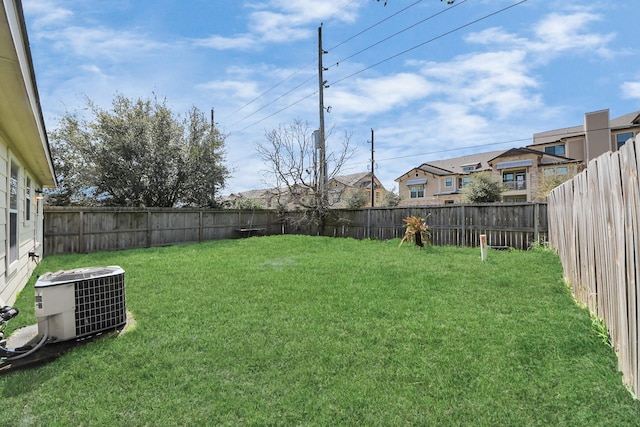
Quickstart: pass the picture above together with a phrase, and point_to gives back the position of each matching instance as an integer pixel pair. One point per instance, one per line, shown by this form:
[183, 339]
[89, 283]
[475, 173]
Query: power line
[447, 150]
[371, 66]
[373, 26]
[282, 81]
[397, 33]
[429, 41]
[269, 90]
[276, 99]
[564, 132]
[279, 111]
[306, 65]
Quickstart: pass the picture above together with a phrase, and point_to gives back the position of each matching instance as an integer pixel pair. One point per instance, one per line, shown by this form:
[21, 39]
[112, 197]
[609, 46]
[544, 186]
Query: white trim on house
[23, 144]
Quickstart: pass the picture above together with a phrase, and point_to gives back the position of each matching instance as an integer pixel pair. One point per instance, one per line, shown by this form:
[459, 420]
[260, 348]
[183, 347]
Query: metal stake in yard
[483, 247]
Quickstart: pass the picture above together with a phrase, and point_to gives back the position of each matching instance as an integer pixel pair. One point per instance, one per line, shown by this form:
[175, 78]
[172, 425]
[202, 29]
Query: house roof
[628, 120]
[352, 179]
[20, 112]
[455, 165]
[622, 122]
[254, 194]
[543, 158]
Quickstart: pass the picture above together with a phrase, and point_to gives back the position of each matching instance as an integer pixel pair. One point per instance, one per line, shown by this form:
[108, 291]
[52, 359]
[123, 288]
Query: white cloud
[566, 32]
[306, 11]
[284, 21]
[278, 27]
[239, 42]
[103, 43]
[494, 81]
[496, 36]
[377, 95]
[556, 33]
[47, 12]
[92, 68]
[232, 88]
[631, 90]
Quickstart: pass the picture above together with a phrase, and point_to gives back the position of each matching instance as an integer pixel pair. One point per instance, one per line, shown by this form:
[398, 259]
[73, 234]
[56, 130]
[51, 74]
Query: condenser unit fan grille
[100, 304]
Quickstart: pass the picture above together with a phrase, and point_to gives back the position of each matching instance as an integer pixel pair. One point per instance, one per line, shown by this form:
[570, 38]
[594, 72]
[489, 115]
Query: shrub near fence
[594, 224]
[81, 230]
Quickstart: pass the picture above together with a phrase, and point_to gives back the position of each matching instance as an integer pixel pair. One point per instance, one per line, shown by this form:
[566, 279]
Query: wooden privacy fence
[81, 230]
[512, 225]
[594, 224]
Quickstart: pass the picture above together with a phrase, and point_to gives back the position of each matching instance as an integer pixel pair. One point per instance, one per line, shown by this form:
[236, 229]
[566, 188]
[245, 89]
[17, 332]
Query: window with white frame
[463, 181]
[38, 216]
[13, 213]
[417, 191]
[560, 170]
[448, 182]
[27, 200]
[515, 179]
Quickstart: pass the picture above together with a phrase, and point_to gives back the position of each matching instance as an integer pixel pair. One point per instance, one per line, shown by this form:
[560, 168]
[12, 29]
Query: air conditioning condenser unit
[77, 303]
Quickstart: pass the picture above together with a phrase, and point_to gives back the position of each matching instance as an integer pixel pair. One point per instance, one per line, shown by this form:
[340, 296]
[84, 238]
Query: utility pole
[373, 198]
[322, 182]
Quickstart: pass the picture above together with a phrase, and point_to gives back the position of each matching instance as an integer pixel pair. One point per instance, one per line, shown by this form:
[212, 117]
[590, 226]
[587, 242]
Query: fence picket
[75, 229]
[594, 222]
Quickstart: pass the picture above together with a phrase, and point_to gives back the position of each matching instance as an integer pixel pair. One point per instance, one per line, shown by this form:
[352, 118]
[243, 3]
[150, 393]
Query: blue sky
[433, 80]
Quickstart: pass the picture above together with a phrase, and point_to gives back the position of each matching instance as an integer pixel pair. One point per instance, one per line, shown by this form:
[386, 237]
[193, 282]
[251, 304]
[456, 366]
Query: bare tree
[290, 156]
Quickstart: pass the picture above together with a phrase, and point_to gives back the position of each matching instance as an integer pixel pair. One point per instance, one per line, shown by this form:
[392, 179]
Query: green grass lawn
[295, 330]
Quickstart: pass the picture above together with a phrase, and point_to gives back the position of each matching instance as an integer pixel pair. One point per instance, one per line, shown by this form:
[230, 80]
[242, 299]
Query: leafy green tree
[484, 187]
[138, 153]
[550, 181]
[204, 162]
[355, 198]
[390, 199]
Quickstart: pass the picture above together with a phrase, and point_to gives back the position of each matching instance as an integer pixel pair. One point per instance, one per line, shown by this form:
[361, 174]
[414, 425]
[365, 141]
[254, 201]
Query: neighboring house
[25, 160]
[597, 135]
[524, 171]
[257, 198]
[340, 186]
[441, 181]
[269, 198]
[274, 198]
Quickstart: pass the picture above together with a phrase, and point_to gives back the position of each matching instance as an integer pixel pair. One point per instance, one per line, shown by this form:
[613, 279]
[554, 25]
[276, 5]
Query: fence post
[536, 223]
[80, 232]
[462, 226]
[148, 228]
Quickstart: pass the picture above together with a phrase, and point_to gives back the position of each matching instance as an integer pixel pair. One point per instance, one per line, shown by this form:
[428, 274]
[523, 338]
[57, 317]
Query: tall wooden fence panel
[83, 229]
[80, 230]
[594, 224]
[513, 225]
